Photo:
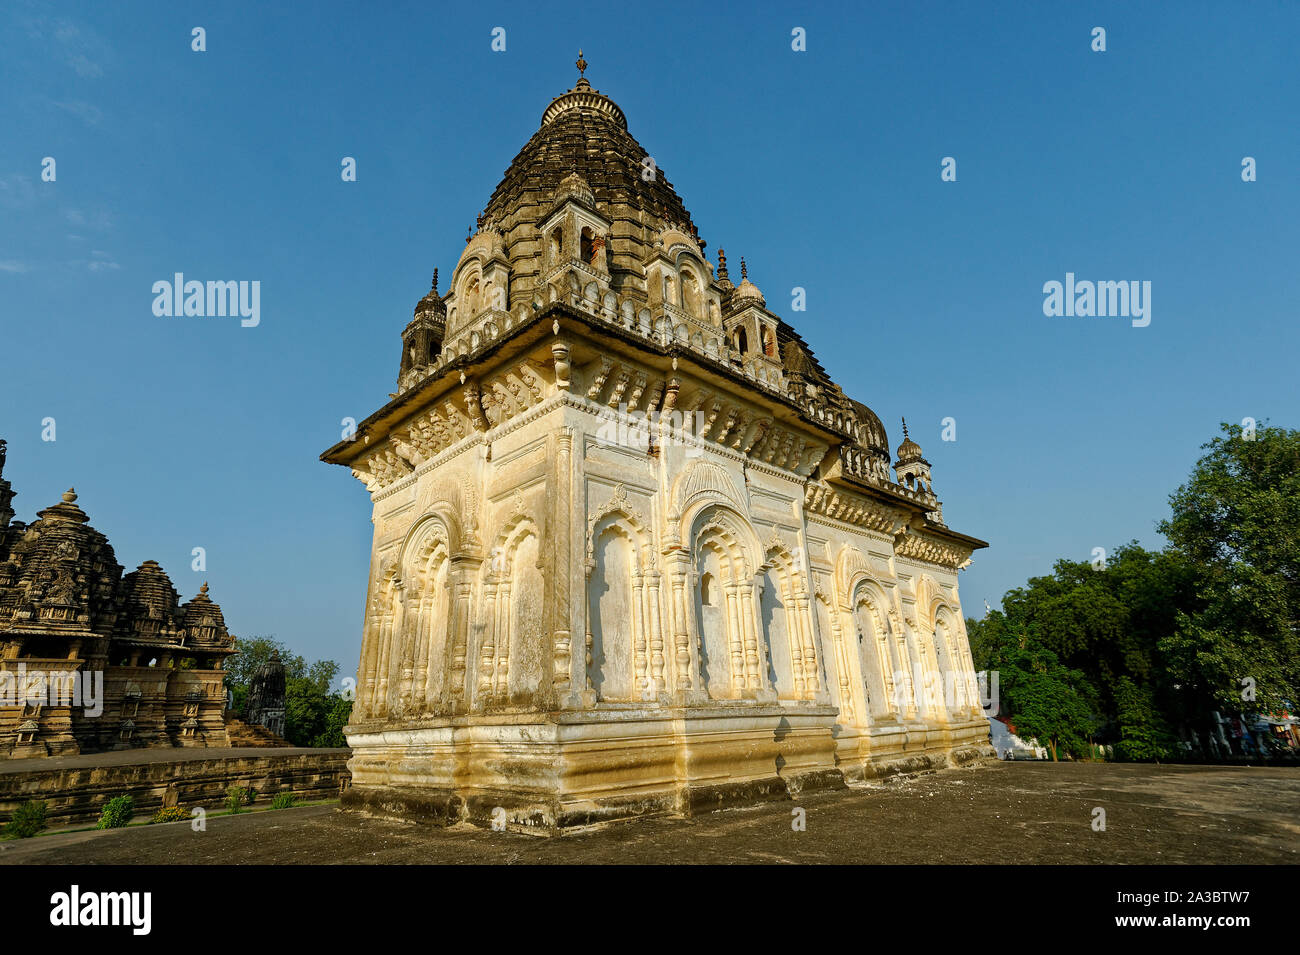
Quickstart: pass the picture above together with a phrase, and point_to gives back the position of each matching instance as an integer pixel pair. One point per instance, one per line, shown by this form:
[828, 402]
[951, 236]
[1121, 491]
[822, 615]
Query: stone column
[888, 654]
[488, 650]
[684, 629]
[460, 578]
[638, 675]
[736, 639]
[562, 583]
[410, 635]
[656, 633]
[794, 624]
[386, 655]
[842, 669]
[755, 661]
[366, 663]
[504, 627]
[811, 658]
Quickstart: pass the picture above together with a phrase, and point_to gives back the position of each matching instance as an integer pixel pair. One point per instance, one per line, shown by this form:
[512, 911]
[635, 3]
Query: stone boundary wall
[75, 791]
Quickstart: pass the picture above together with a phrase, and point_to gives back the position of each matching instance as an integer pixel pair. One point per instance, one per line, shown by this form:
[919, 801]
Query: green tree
[314, 712]
[1143, 732]
[1049, 702]
[336, 718]
[1237, 521]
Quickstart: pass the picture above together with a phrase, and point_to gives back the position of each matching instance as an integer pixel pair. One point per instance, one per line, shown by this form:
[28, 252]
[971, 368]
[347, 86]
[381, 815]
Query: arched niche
[514, 599]
[692, 293]
[879, 660]
[723, 550]
[614, 609]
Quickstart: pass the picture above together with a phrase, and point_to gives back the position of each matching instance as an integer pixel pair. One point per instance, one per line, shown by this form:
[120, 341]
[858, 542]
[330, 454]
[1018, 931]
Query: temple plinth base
[567, 771]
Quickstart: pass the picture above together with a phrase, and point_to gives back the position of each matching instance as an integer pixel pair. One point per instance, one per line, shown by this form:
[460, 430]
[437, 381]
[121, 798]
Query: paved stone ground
[1001, 813]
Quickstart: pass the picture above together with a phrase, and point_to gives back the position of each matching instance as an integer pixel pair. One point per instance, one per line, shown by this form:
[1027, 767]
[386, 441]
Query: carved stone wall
[633, 550]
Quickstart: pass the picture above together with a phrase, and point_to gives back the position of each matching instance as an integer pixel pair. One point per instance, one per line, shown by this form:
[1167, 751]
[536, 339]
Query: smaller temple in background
[92, 659]
[266, 694]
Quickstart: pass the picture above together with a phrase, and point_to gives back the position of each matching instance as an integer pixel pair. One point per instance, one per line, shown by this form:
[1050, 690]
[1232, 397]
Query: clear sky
[822, 168]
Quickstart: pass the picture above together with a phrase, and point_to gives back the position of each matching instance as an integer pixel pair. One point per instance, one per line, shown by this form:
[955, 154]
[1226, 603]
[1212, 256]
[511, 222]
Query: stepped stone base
[251, 735]
[571, 771]
[75, 788]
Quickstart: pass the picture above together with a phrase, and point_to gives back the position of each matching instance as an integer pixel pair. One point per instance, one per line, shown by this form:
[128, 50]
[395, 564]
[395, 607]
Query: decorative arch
[385, 611]
[961, 694]
[724, 557]
[514, 647]
[625, 657]
[439, 523]
[618, 510]
[425, 563]
[785, 625]
[882, 659]
[934, 623]
[469, 287]
[700, 484]
[692, 286]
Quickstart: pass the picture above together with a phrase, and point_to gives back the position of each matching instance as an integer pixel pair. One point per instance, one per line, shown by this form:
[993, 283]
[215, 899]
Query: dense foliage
[28, 819]
[1153, 642]
[117, 812]
[315, 711]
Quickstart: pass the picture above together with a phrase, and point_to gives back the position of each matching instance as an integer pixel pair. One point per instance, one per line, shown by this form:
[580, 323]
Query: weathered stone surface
[634, 551]
[75, 788]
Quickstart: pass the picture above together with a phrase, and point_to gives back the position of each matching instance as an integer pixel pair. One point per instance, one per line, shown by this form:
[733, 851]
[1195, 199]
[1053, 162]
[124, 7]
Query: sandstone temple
[634, 551]
[91, 659]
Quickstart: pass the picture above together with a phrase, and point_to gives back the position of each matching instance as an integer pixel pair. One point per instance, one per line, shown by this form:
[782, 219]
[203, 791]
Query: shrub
[237, 797]
[28, 819]
[170, 814]
[117, 812]
[284, 800]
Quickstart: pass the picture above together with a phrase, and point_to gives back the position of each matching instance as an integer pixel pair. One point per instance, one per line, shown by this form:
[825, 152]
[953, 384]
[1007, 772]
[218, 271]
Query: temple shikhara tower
[92, 659]
[634, 551]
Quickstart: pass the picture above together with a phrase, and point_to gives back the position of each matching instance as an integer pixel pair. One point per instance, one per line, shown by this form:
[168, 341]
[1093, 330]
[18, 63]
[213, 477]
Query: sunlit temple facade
[634, 552]
[92, 659]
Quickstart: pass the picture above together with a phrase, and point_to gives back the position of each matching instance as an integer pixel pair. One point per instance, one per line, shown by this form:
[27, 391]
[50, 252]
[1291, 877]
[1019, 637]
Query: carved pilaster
[562, 671]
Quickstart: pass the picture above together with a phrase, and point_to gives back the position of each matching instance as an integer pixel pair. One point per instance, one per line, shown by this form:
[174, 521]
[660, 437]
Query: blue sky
[821, 168]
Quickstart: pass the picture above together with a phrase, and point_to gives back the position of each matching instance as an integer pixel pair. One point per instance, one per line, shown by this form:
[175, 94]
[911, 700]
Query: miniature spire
[904, 427]
[581, 65]
[744, 270]
[469, 234]
[722, 263]
[435, 282]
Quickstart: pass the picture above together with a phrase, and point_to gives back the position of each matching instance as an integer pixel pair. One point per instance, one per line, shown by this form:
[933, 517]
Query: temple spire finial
[435, 281]
[582, 66]
[744, 269]
[905, 428]
[722, 263]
